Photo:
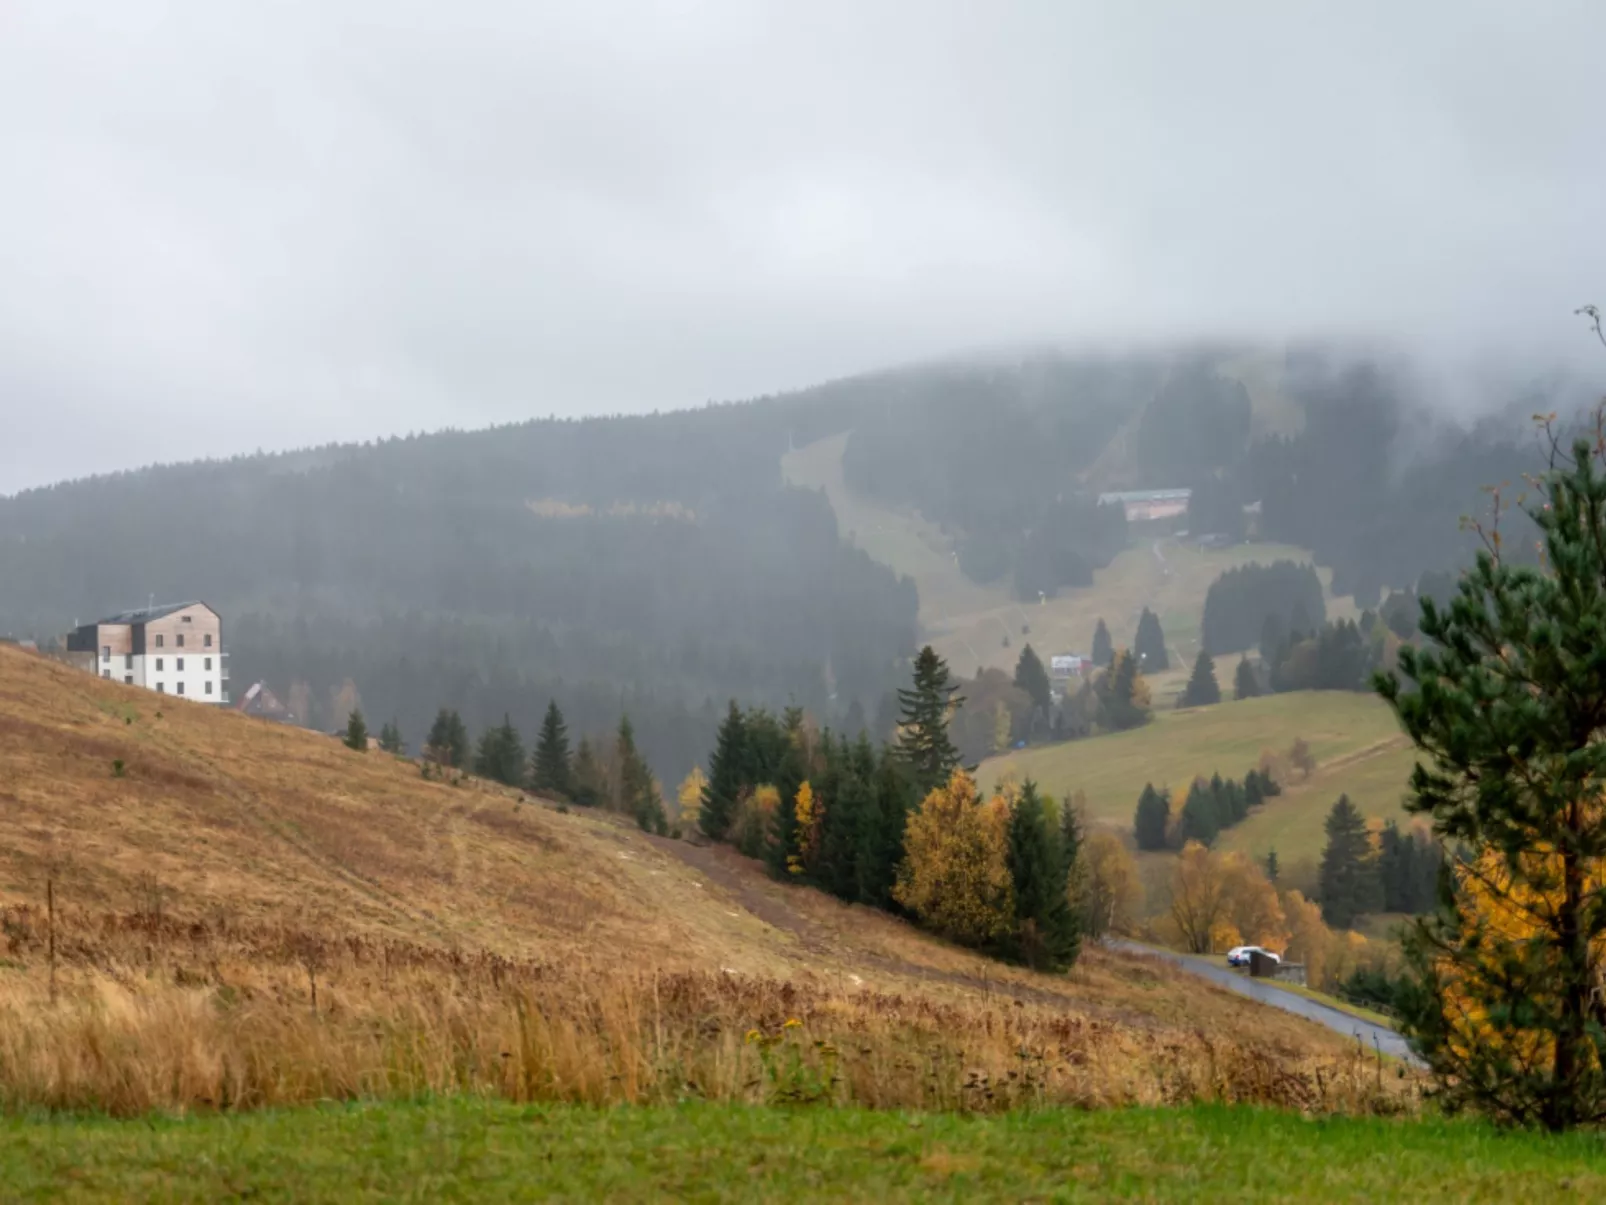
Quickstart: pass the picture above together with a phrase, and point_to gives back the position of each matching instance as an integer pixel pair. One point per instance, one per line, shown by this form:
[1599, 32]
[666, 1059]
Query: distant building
[174, 649]
[1068, 665]
[1145, 506]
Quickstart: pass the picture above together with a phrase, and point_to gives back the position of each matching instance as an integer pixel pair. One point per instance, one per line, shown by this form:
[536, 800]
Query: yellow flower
[794, 1023]
[754, 1036]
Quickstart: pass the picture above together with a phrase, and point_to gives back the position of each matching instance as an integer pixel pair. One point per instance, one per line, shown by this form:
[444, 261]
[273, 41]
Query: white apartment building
[174, 649]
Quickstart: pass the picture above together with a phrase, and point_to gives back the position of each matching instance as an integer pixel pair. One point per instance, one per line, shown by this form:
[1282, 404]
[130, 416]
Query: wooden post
[50, 908]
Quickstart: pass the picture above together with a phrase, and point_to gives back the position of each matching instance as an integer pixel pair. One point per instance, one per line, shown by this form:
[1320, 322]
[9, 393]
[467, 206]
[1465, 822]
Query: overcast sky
[230, 225]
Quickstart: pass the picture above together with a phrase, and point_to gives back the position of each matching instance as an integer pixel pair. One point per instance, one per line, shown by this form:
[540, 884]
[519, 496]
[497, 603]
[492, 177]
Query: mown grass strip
[463, 1149]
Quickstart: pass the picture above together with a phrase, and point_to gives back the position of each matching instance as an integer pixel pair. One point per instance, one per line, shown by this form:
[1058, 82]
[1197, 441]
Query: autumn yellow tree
[1309, 939]
[1198, 898]
[810, 812]
[955, 873]
[689, 798]
[1111, 889]
[1222, 900]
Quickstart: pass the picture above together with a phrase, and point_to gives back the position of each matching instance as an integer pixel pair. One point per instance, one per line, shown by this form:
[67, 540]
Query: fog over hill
[232, 225]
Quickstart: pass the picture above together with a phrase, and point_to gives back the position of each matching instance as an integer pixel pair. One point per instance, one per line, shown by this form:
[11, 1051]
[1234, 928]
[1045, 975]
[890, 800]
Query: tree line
[900, 825]
[1211, 805]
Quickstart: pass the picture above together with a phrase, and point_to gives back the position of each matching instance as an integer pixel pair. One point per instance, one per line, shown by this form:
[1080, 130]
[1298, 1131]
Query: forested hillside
[654, 565]
[657, 565]
[1012, 462]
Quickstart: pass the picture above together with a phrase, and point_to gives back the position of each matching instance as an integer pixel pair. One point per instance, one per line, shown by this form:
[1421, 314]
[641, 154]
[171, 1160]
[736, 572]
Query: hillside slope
[221, 824]
[1357, 743]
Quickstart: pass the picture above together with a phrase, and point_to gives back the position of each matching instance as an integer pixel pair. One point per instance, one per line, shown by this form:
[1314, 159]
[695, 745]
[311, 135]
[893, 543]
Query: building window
[178, 664]
[128, 660]
[181, 688]
[209, 663]
[181, 640]
[105, 652]
[128, 679]
[186, 619]
[160, 689]
[209, 686]
[207, 639]
[158, 665]
[158, 640]
[105, 673]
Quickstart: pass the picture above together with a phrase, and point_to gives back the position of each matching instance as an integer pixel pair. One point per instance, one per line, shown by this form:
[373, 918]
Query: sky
[228, 225]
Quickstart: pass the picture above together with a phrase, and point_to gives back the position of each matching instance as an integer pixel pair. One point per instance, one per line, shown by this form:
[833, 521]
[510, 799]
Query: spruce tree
[1202, 689]
[923, 722]
[1272, 869]
[500, 756]
[1153, 818]
[1149, 644]
[590, 778]
[881, 845]
[1046, 935]
[550, 771]
[390, 738]
[448, 740]
[1349, 881]
[1252, 790]
[1032, 678]
[725, 776]
[639, 796]
[1123, 696]
[1201, 821]
[356, 732]
[1245, 682]
[1103, 647]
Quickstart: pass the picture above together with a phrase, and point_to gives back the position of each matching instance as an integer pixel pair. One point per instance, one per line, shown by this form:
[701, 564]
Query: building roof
[146, 614]
[1145, 496]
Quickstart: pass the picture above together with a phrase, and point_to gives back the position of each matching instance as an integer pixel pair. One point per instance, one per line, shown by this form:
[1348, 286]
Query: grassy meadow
[465, 1149]
[251, 916]
[1354, 737]
[967, 623]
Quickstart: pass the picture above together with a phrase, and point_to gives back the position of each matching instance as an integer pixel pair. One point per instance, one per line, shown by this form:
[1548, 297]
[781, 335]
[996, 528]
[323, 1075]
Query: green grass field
[458, 1150]
[1359, 748]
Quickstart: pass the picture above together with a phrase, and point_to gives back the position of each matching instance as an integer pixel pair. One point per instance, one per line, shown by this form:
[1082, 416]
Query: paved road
[1217, 971]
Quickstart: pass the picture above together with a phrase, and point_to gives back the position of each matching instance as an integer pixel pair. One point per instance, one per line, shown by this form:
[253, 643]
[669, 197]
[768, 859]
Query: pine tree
[550, 771]
[500, 756]
[1202, 689]
[1272, 869]
[356, 732]
[725, 776]
[1103, 647]
[639, 794]
[390, 738]
[1046, 930]
[923, 724]
[1200, 819]
[1245, 682]
[1149, 644]
[1151, 824]
[590, 777]
[1032, 678]
[1350, 887]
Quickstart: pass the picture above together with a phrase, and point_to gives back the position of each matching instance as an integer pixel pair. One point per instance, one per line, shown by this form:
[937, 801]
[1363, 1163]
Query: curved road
[1369, 1035]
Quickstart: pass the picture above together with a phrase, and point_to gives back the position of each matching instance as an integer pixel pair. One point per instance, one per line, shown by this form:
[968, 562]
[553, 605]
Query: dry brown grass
[457, 939]
[162, 1014]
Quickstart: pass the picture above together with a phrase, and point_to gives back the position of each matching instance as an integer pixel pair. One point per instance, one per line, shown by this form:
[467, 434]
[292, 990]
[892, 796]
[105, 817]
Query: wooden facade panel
[195, 624]
[119, 636]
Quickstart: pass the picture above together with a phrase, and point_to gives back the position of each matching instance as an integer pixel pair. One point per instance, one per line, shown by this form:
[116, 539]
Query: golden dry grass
[457, 938]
